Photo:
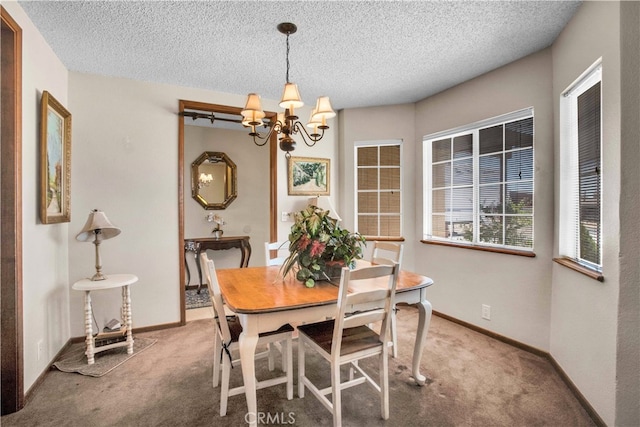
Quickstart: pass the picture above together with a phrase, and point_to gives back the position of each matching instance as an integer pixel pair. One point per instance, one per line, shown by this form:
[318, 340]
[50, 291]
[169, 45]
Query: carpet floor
[472, 380]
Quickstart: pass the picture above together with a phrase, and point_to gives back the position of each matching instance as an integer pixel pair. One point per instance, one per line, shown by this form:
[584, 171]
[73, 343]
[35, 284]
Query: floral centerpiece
[319, 247]
[219, 221]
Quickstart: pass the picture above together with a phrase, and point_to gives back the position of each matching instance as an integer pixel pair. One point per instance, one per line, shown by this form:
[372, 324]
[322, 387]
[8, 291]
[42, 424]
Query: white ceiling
[360, 53]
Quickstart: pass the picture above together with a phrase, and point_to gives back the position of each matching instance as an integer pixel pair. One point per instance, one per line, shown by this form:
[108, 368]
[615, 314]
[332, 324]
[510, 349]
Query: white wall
[584, 311]
[517, 288]
[45, 258]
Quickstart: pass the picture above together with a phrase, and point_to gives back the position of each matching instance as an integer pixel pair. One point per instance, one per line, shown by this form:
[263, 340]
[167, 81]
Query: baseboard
[534, 350]
[29, 394]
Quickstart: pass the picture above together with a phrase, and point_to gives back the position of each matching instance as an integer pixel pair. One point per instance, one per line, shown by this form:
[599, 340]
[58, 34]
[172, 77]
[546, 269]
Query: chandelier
[286, 124]
[204, 179]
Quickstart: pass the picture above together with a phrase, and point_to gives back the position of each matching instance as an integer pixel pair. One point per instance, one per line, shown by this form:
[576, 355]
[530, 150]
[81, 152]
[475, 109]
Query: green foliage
[309, 171]
[492, 226]
[316, 243]
[589, 250]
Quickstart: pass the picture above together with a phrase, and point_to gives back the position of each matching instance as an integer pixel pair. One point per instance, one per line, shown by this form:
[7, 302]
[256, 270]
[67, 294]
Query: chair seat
[354, 340]
[235, 328]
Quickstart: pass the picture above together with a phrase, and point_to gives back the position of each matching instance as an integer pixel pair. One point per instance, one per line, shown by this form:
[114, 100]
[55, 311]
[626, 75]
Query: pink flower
[317, 248]
[303, 242]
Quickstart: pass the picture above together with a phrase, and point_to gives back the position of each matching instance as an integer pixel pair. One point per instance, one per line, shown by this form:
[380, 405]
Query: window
[378, 189]
[479, 183]
[581, 170]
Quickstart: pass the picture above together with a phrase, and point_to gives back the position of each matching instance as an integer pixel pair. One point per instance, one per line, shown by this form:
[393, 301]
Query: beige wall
[518, 289]
[584, 311]
[628, 350]
[394, 122]
[45, 255]
[126, 163]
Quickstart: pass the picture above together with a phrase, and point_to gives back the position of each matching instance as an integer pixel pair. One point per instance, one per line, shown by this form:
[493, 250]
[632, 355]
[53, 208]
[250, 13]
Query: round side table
[112, 281]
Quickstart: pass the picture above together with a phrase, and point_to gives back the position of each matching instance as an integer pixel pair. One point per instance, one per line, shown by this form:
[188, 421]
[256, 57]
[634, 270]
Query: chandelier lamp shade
[287, 124]
[204, 179]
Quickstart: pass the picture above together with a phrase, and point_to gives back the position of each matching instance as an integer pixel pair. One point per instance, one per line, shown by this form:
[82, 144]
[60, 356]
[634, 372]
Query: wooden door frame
[273, 180]
[12, 394]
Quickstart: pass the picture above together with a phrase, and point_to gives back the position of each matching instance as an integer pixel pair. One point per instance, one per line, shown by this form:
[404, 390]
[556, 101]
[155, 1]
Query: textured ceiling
[359, 53]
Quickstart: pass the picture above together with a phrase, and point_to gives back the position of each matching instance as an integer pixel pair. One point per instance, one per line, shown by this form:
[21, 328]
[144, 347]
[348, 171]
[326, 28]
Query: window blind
[581, 170]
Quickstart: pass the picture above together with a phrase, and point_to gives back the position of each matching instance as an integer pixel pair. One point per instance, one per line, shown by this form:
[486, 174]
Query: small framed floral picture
[309, 176]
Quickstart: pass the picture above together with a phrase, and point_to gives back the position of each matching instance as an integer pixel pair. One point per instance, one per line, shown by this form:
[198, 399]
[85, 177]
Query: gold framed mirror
[213, 180]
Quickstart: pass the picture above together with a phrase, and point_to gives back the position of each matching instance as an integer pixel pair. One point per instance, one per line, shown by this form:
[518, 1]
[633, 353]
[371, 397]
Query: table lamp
[100, 228]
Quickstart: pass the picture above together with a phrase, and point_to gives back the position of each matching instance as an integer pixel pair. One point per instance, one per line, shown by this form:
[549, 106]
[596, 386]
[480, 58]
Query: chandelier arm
[276, 126]
[299, 128]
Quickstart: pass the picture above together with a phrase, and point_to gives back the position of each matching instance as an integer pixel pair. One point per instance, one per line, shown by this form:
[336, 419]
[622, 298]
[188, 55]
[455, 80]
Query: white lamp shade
[291, 97]
[206, 177]
[323, 108]
[97, 221]
[253, 103]
[314, 120]
[252, 113]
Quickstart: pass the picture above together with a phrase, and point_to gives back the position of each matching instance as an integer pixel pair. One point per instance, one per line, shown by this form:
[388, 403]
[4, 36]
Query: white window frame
[569, 230]
[380, 143]
[474, 130]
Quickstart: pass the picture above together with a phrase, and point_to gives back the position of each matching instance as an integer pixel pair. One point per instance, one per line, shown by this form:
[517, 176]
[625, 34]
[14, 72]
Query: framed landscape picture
[309, 176]
[55, 161]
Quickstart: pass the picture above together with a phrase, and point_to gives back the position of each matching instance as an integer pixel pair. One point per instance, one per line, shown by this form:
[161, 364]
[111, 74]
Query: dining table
[263, 300]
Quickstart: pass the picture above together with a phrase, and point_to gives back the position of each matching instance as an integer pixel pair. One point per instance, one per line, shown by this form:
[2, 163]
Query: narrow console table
[216, 244]
[112, 281]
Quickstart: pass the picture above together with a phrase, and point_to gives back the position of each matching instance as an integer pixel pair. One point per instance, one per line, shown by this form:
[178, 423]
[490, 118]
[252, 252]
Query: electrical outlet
[486, 312]
[40, 345]
[286, 217]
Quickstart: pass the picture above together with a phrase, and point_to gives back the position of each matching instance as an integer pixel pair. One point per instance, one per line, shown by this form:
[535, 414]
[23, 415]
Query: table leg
[186, 267]
[247, 342]
[126, 316]
[197, 256]
[245, 254]
[88, 327]
[424, 319]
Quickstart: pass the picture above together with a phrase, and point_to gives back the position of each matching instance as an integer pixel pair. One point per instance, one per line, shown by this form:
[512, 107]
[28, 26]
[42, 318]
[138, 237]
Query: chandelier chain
[287, 57]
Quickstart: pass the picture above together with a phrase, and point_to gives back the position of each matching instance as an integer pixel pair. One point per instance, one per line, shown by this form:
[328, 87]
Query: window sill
[481, 248]
[384, 239]
[569, 263]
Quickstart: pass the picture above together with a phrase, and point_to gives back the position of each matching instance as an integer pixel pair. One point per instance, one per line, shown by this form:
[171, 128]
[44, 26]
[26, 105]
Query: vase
[217, 234]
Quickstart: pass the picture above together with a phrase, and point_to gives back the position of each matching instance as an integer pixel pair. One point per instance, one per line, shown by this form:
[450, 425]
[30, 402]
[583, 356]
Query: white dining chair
[282, 252]
[347, 338]
[384, 253]
[226, 346]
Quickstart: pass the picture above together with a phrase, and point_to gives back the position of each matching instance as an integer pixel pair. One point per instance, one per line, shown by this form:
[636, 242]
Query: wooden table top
[261, 289]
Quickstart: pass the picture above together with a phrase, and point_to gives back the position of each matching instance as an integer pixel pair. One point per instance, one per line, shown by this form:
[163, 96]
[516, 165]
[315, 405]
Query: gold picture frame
[55, 161]
[309, 176]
